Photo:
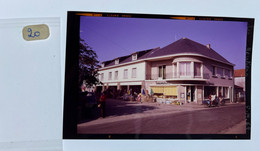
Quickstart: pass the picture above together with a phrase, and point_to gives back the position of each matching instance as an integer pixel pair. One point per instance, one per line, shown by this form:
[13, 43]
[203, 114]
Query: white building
[184, 70]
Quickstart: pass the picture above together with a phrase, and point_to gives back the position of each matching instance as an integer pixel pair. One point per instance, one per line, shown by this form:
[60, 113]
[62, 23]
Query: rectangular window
[185, 69]
[117, 61]
[110, 76]
[133, 72]
[134, 57]
[188, 69]
[220, 72]
[182, 69]
[213, 70]
[227, 73]
[175, 70]
[197, 69]
[116, 75]
[162, 71]
[125, 73]
[102, 76]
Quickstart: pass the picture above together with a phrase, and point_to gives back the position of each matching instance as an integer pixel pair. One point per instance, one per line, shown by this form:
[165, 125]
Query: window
[133, 72]
[213, 70]
[110, 76]
[162, 71]
[220, 72]
[197, 69]
[185, 69]
[227, 73]
[102, 76]
[175, 69]
[116, 75]
[134, 57]
[125, 73]
[103, 65]
[117, 61]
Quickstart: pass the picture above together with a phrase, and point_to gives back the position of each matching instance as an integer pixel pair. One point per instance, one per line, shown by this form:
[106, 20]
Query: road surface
[149, 119]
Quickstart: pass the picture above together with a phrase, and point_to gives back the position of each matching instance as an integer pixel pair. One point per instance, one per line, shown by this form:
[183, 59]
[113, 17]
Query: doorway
[190, 93]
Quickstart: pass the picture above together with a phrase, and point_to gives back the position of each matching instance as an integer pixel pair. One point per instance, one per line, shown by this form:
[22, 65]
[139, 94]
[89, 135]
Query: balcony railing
[176, 76]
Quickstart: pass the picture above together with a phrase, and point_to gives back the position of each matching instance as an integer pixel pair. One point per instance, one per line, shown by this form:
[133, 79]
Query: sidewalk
[239, 128]
[146, 109]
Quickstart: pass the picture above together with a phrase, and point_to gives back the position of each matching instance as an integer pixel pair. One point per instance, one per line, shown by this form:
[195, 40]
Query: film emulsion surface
[143, 76]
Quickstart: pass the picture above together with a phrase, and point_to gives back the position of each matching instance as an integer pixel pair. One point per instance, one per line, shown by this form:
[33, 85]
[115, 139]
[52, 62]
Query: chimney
[208, 46]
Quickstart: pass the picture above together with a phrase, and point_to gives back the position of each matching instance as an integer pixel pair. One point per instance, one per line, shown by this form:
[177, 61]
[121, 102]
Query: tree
[88, 65]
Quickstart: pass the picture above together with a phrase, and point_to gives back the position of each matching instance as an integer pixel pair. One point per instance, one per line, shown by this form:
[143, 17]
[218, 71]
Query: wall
[155, 69]
[208, 72]
[181, 92]
[190, 58]
[140, 74]
[240, 81]
[148, 70]
[199, 94]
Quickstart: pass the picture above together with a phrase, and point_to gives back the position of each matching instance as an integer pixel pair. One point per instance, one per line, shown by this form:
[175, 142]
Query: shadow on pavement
[128, 109]
[116, 108]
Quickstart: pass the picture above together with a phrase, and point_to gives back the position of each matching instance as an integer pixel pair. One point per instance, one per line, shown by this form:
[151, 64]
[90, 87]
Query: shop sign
[161, 82]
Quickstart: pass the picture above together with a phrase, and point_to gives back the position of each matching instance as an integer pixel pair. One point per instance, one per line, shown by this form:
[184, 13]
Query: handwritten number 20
[32, 35]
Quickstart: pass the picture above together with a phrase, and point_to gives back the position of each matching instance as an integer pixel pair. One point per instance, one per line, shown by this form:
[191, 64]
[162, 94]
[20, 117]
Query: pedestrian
[210, 100]
[220, 98]
[139, 98]
[103, 105]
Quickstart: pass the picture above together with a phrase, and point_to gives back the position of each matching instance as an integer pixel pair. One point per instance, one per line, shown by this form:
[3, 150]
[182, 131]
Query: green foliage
[88, 65]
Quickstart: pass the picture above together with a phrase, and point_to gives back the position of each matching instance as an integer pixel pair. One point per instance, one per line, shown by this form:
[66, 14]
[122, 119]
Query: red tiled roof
[239, 73]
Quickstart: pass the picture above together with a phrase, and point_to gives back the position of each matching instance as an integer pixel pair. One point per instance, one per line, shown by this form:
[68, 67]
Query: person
[103, 105]
[139, 98]
[210, 100]
[220, 99]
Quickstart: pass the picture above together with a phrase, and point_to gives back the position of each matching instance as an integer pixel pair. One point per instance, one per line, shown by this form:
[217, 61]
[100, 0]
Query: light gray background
[48, 130]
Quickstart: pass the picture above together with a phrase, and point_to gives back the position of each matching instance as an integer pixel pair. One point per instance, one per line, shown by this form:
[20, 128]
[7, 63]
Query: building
[184, 70]
[239, 78]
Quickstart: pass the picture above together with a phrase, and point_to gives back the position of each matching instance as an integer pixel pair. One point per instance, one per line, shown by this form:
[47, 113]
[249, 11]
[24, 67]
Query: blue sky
[112, 37]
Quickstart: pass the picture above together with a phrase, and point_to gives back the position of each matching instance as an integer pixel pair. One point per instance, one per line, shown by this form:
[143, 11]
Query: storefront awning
[171, 90]
[166, 90]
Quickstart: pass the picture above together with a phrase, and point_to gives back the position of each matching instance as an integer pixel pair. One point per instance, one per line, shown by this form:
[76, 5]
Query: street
[152, 118]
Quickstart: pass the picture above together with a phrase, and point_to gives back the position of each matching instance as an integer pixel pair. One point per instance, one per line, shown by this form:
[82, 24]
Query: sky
[112, 37]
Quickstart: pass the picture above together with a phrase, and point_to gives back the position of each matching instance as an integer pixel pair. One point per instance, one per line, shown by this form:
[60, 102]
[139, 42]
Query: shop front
[180, 93]
[224, 92]
[169, 91]
[190, 93]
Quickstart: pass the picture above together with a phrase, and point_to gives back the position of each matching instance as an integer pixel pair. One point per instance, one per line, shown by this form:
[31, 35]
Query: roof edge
[175, 55]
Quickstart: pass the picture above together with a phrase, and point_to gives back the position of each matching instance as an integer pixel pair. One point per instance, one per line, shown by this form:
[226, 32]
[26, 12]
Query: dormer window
[117, 61]
[103, 65]
[134, 56]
